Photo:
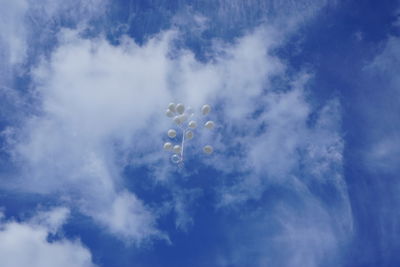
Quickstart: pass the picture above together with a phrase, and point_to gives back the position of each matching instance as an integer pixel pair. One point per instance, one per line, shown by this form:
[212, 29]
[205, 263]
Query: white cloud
[382, 150]
[26, 243]
[292, 226]
[237, 16]
[20, 17]
[127, 217]
[94, 96]
[383, 154]
[284, 150]
[52, 220]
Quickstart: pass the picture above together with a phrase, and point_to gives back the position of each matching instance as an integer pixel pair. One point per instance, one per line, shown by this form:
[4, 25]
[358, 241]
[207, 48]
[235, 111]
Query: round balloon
[171, 133]
[208, 149]
[177, 149]
[171, 107]
[205, 109]
[169, 113]
[182, 117]
[209, 125]
[180, 108]
[177, 120]
[192, 124]
[168, 146]
[175, 158]
[189, 134]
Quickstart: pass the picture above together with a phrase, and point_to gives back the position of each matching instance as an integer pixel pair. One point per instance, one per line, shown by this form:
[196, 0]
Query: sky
[305, 96]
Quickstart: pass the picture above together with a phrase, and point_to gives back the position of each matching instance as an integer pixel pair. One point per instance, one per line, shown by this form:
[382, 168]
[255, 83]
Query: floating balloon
[177, 120]
[172, 133]
[189, 134]
[209, 125]
[183, 118]
[168, 146]
[169, 113]
[175, 158]
[205, 109]
[177, 149]
[208, 149]
[171, 107]
[192, 124]
[180, 108]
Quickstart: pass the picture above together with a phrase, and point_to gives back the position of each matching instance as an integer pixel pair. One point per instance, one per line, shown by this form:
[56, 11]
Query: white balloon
[175, 158]
[209, 125]
[171, 133]
[189, 134]
[192, 124]
[205, 109]
[168, 146]
[177, 149]
[180, 108]
[169, 113]
[183, 118]
[177, 120]
[208, 149]
[171, 107]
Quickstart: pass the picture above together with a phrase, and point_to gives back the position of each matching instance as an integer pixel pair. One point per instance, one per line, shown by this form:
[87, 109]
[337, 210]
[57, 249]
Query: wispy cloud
[27, 243]
[384, 133]
[13, 32]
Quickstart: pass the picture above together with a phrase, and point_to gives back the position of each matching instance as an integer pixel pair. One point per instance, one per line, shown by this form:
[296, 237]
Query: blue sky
[305, 95]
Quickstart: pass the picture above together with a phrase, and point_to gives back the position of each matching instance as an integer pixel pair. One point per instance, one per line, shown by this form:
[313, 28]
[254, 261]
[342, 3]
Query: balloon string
[183, 143]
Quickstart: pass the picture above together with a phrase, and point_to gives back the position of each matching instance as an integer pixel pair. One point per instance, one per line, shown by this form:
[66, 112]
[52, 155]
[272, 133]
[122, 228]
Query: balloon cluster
[182, 117]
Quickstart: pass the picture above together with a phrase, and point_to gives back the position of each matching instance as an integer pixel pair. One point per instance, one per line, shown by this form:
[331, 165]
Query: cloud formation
[27, 243]
[383, 135]
[13, 32]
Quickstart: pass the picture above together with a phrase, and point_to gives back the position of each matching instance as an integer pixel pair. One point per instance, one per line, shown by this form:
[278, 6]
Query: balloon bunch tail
[182, 118]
